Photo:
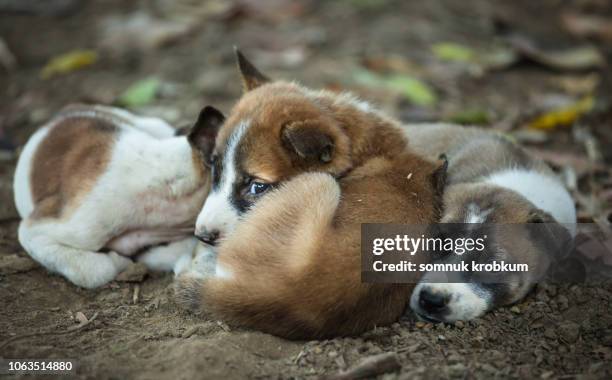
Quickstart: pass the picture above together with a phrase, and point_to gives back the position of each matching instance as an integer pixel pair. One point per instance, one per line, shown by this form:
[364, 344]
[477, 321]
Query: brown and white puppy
[494, 188]
[295, 174]
[96, 185]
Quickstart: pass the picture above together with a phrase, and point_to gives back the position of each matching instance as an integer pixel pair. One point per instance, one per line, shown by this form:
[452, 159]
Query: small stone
[550, 333]
[420, 324]
[135, 272]
[551, 290]
[563, 302]
[547, 375]
[190, 331]
[455, 358]
[459, 324]
[569, 332]
[10, 264]
[332, 354]
[515, 310]
[488, 368]
[317, 350]
[456, 370]
[607, 339]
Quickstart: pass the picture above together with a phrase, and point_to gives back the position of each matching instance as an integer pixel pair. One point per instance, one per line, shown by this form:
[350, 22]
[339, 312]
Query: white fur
[218, 212]
[150, 125]
[21, 183]
[200, 263]
[150, 184]
[165, 257]
[476, 215]
[544, 191]
[466, 302]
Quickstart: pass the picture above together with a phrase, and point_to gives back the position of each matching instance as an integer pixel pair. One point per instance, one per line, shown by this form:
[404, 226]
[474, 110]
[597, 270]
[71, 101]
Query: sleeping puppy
[295, 174]
[494, 188]
[97, 185]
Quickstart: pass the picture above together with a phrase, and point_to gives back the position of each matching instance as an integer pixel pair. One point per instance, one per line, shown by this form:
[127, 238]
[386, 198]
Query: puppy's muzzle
[432, 304]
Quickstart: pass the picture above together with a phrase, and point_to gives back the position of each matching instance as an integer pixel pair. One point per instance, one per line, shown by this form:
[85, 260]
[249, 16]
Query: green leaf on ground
[473, 116]
[415, 90]
[140, 93]
[450, 51]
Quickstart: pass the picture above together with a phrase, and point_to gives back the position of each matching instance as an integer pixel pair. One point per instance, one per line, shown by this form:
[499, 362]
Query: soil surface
[135, 329]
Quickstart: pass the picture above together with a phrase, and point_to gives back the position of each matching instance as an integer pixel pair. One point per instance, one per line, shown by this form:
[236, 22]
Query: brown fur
[297, 270]
[275, 107]
[67, 163]
[295, 257]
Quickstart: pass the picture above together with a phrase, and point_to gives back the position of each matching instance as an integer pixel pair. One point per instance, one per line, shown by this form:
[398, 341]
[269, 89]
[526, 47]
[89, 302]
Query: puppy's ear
[438, 177]
[204, 131]
[251, 77]
[309, 141]
[552, 237]
[539, 216]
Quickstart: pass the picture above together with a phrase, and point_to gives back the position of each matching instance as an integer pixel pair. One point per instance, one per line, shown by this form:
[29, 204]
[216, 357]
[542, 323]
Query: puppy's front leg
[166, 256]
[84, 268]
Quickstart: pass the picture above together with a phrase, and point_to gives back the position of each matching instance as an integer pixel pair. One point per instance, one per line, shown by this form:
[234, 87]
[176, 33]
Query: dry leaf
[575, 58]
[587, 25]
[68, 62]
[80, 317]
[563, 116]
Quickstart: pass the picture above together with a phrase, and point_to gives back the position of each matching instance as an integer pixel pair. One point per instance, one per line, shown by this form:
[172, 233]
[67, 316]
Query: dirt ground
[371, 47]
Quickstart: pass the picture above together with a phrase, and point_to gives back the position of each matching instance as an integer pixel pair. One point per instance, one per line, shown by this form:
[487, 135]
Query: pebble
[550, 333]
[190, 331]
[459, 324]
[488, 368]
[515, 310]
[456, 370]
[607, 340]
[547, 375]
[10, 264]
[569, 332]
[563, 302]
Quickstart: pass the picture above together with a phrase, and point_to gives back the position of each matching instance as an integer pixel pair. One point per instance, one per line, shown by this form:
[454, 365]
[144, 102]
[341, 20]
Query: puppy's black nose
[432, 302]
[209, 237]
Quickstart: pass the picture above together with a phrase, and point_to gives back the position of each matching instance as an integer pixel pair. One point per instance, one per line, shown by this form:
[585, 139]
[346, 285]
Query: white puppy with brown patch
[97, 185]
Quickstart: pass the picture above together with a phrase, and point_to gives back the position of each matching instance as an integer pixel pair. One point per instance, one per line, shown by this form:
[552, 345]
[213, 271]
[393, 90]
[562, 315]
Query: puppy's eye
[258, 188]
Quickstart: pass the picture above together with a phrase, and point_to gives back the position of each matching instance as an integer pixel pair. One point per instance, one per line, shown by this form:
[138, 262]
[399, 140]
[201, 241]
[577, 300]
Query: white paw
[96, 269]
[182, 264]
[120, 262]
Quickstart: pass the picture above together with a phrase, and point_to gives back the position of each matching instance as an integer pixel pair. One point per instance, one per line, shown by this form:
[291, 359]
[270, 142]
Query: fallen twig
[136, 296]
[369, 367]
[67, 331]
